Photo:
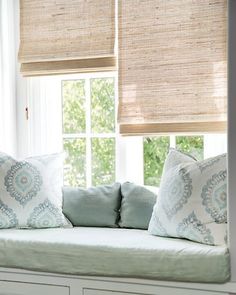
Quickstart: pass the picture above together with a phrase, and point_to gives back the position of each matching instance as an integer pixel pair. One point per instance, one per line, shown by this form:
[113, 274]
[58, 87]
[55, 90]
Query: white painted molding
[48, 283]
[232, 134]
[8, 140]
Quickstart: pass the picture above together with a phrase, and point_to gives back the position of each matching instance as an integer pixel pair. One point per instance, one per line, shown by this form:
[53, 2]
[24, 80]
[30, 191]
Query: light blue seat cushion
[113, 252]
[95, 206]
[136, 206]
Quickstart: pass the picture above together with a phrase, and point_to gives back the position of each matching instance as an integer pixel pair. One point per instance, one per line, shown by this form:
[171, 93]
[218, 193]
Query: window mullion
[88, 133]
[173, 141]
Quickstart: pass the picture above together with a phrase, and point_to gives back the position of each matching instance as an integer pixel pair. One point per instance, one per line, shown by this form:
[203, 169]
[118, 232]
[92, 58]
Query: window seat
[113, 252]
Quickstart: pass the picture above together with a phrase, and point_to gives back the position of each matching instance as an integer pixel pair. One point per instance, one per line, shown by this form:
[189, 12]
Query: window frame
[88, 135]
[44, 97]
[213, 144]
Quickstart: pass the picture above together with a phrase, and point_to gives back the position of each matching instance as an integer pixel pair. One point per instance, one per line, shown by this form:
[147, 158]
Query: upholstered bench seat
[113, 252]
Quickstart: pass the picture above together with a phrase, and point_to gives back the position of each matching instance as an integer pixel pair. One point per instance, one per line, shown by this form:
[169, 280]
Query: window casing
[45, 132]
[89, 130]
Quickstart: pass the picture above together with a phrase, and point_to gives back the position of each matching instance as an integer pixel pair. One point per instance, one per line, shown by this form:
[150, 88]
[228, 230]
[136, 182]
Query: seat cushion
[113, 252]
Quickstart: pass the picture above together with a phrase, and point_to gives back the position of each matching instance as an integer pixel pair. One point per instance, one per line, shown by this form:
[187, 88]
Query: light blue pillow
[192, 200]
[31, 192]
[136, 206]
[95, 206]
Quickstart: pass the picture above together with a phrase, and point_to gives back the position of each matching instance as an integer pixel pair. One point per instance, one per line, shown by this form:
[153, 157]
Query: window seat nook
[113, 252]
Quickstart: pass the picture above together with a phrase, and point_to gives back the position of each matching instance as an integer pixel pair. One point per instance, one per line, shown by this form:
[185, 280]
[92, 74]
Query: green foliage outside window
[193, 145]
[103, 161]
[155, 152]
[156, 149]
[73, 92]
[102, 105]
[75, 163]
[102, 112]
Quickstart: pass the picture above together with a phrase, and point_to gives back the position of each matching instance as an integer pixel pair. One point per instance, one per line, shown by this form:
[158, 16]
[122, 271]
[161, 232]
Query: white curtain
[7, 78]
[45, 116]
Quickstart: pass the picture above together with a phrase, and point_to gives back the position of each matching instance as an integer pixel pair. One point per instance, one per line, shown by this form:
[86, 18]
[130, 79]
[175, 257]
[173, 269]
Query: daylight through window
[92, 142]
[89, 131]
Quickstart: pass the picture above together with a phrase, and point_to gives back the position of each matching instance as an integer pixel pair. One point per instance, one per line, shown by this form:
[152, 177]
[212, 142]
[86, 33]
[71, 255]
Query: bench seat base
[23, 282]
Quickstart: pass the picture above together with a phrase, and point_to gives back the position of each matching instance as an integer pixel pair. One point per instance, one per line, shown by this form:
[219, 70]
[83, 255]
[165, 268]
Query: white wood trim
[232, 135]
[8, 135]
[77, 284]
[92, 135]
[88, 132]
[214, 144]
[172, 141]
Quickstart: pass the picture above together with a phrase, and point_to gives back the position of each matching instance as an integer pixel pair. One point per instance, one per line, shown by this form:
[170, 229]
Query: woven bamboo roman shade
[66, 36]
[172, 66]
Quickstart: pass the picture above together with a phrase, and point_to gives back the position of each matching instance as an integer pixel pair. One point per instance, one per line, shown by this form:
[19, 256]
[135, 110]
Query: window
[77, 113]
[156, 148]
[89, 130]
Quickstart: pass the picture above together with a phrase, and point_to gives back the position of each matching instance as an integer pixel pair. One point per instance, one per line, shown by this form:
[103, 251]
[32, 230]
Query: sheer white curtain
[45, 115]
[41, 132]
[7, 78]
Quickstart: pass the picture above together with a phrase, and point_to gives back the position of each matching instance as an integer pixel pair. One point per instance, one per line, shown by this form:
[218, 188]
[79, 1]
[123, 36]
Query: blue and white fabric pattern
[31, 192]
[192, 200]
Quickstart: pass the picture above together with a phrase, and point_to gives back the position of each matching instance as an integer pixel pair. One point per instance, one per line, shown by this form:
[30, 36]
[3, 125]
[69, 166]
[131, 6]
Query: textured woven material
[113, 252]
[172, 66]
[54, 31]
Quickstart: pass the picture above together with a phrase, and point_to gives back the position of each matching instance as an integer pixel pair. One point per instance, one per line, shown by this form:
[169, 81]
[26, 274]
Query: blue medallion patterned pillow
[31, 192]
[192, 200]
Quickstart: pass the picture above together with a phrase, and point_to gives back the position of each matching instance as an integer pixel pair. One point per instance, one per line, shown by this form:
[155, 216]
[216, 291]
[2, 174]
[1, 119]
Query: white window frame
[44, 127]
[214, 144]
[89, 135]
[42, 133]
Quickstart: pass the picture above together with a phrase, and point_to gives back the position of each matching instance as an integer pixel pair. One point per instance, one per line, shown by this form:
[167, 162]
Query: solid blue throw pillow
[95, 206]
[136, 206]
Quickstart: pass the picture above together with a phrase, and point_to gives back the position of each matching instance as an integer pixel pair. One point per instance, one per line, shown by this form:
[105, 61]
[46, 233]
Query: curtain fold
[7, 78]
[172, 66]
[59, 36]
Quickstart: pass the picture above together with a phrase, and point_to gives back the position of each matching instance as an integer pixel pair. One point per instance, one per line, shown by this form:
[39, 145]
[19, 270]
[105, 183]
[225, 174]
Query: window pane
[155, 152]
[73, 106]
[103, 161]
[102, 105]
[193, 145]
[75, 163]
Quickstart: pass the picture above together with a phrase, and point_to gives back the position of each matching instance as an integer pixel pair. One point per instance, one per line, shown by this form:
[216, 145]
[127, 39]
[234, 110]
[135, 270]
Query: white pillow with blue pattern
[192, 200]
[31, 192]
